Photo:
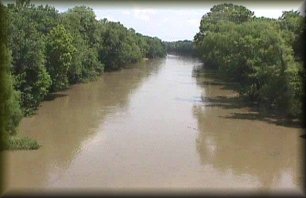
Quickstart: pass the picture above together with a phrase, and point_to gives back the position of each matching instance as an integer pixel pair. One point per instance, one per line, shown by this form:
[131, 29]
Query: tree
[181, 47]
[226, 12]
[10, 113]
[292, 24]
[156, 48]
[51, 50]
[28, 59]
[256, 53]
[80, 22]
[59, 50]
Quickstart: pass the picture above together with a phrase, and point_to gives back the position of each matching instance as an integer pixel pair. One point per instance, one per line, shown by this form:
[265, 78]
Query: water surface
[157, 125]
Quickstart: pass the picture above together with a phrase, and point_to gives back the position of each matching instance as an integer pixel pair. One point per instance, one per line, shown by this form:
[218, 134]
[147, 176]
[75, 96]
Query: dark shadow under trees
[209, 77]
[53, 96]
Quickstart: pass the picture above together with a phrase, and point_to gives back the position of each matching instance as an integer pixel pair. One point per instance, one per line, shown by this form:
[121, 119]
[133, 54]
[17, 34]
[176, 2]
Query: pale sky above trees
[169, 21]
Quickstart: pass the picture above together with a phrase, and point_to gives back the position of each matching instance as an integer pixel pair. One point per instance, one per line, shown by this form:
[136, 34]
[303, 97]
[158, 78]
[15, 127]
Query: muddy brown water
[157, 125]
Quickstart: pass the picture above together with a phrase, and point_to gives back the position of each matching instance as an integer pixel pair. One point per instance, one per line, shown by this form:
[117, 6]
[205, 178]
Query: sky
[169, 21]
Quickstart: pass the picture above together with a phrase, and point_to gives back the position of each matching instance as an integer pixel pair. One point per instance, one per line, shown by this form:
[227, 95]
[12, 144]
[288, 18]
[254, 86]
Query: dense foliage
[10, 113]
[262, 55]
[59, 51]
[47, 51]
[184, 47]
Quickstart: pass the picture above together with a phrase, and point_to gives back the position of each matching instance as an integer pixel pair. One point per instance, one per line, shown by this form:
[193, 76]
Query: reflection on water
[68, 120]
[157, 125]
[265, 152]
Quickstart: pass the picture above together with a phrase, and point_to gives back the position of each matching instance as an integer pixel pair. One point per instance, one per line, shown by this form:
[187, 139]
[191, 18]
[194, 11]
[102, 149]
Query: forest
[44, 51]
[263, 56]
[184, 47]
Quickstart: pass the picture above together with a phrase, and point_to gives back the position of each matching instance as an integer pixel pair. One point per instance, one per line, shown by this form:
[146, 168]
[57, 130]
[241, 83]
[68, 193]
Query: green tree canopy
[59, 50]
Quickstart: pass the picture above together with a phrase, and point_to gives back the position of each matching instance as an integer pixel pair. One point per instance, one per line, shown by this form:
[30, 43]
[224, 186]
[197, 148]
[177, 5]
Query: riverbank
[259, 112]
[20, 143]
[17, 142]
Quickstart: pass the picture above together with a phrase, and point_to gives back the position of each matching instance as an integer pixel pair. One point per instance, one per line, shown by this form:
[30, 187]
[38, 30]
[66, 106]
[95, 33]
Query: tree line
[264, 56]
[44, 51]
[185, 47]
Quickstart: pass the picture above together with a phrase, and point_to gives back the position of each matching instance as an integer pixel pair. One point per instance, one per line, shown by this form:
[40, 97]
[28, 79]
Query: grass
[20, 143]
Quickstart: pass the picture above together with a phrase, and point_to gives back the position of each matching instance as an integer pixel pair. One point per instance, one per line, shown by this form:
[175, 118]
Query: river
[157, 125]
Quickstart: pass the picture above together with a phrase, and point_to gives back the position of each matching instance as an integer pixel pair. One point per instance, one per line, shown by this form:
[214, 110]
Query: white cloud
[126, 12]
[143, 14]
[166, 19]
[194, 22]
[270, 13]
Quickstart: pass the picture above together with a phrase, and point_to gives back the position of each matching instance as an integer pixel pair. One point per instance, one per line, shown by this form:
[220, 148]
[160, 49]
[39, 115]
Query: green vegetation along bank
[264, 56]
[44, 51]
[184, 47]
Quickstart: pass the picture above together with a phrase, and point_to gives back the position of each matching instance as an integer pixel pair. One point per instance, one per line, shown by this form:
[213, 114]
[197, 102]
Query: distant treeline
[184, 47]
[46, 51]
[264, 56]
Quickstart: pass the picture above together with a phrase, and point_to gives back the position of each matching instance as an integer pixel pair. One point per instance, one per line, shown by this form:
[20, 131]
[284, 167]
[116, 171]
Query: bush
[20, 143]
